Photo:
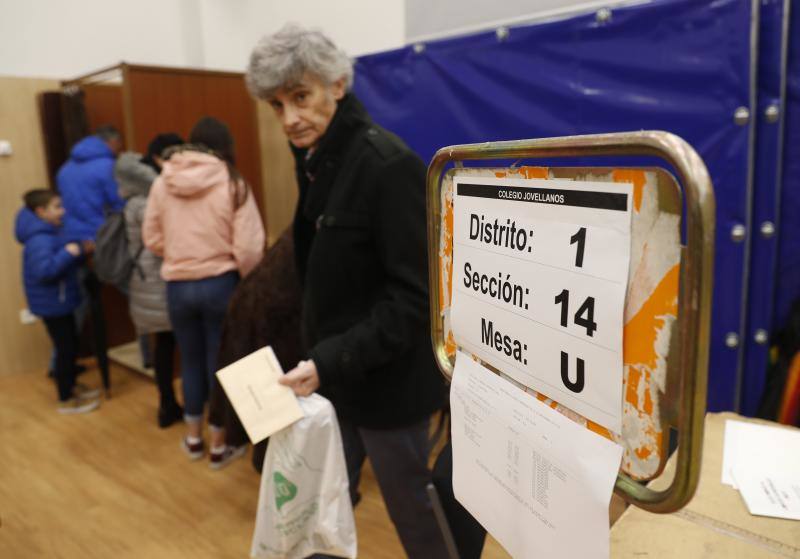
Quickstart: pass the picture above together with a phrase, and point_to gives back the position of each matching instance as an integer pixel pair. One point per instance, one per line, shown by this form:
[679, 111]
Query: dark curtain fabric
[75, 122]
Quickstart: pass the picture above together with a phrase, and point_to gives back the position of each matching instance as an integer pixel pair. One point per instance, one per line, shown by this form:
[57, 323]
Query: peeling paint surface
[650, 312]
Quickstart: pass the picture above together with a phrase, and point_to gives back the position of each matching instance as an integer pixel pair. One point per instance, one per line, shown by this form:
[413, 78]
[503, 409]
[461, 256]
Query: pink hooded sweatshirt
[190, 220]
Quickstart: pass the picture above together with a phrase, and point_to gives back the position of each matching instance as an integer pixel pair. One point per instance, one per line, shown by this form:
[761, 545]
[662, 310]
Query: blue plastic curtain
[765, 203]
[678, 65]
[788, 273]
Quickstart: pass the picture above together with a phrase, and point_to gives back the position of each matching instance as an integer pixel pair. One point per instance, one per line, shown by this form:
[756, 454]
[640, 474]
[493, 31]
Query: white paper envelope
[770, 495]
[263, 406]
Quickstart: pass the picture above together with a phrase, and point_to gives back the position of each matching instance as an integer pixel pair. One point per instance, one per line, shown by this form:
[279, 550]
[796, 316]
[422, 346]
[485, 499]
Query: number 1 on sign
[580, 238]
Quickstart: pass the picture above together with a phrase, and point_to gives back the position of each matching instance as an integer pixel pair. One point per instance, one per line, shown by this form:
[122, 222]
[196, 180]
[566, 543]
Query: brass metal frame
[696, 276]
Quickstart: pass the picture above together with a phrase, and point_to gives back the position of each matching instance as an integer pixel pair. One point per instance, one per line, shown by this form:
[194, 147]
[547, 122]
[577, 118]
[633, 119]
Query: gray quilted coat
[148, 292]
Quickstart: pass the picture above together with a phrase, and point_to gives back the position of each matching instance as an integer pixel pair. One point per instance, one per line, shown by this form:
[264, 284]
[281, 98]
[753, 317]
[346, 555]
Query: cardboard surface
[715, 523]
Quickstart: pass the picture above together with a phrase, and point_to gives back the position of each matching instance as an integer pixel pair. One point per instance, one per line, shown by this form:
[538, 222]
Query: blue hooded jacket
[88, 189]
[49, 272]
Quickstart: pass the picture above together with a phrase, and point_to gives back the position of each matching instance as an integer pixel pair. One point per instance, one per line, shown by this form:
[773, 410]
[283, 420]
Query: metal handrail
[694, 306]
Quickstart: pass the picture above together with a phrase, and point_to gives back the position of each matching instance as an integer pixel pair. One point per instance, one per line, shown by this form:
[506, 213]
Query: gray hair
[281, 59]
[107, 132]
[133, 177]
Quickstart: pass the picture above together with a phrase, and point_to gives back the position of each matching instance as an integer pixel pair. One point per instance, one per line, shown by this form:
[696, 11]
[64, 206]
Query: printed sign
[540, 271]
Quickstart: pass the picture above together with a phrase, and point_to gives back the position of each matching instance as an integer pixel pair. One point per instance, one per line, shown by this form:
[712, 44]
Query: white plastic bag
[304, 504]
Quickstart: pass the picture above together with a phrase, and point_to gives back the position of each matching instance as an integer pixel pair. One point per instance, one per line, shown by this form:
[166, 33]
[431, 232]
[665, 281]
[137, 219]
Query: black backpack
[112, 261]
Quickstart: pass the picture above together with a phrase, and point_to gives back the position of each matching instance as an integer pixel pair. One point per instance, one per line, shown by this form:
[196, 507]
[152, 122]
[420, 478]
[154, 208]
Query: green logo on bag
[285, 490]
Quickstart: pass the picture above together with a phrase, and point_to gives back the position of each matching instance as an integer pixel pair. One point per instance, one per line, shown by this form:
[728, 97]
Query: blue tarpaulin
[788, 273]
[678, 65]
[763, 239]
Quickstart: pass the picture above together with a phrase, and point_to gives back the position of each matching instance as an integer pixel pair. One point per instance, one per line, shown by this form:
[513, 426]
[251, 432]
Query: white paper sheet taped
[538, 482]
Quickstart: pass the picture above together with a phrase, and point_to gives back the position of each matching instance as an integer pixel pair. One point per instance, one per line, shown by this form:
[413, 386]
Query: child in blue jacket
[51, 287]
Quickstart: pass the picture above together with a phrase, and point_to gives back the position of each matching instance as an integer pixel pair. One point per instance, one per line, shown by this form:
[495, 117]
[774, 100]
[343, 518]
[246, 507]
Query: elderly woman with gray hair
[360, 251]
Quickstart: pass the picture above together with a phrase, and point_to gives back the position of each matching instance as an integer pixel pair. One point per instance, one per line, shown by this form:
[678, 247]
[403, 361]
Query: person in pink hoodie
[202, 219]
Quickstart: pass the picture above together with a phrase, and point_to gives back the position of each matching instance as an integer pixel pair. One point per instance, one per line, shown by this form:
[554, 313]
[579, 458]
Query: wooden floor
[110, 484]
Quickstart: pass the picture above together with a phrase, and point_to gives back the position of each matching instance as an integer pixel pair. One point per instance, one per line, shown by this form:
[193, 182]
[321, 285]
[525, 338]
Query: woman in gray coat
[147, 291]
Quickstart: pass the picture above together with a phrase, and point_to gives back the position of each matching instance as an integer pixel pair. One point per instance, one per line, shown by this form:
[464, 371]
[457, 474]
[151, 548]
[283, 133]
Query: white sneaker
[77, 405]
[194, 451]
[83, 392]
[218, 460]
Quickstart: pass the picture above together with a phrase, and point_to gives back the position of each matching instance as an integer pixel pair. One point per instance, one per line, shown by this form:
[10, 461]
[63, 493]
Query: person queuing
[360, 250]
[152, 158]
[88, 191]
[202, 219]
[51, 287]
[155, 149]
[147, 292]
[86, 183]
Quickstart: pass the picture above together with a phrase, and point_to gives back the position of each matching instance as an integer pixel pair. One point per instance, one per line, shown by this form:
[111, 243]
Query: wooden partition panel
[277, 170]
[173, 100]
[23, 347]
[104, 106]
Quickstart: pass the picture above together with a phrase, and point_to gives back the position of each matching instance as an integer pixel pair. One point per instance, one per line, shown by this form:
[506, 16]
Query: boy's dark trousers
[93, 305]
[64, 333]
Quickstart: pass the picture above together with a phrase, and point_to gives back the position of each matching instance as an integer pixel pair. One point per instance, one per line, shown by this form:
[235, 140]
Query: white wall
[223, 34]
[357, 26]
[64, 39]
[52, 38]
[438, 18]
[67, 38]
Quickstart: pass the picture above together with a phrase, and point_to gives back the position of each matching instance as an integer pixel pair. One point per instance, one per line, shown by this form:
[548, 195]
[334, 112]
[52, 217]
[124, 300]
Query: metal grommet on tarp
[772, 113]
[603, 15]
[738, 233]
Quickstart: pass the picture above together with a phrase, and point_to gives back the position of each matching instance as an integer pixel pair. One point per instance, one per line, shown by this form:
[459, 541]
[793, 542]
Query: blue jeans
[197, 309]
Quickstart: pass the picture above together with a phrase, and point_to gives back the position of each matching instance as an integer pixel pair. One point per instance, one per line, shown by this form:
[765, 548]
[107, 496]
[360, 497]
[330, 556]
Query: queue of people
[358, 244]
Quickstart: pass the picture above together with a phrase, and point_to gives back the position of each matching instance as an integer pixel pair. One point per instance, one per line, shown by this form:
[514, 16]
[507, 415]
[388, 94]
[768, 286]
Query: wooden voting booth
[142, 101]
[668, 293]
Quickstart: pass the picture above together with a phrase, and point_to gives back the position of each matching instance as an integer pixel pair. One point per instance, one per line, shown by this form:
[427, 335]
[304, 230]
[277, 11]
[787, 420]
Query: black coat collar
[315, 174]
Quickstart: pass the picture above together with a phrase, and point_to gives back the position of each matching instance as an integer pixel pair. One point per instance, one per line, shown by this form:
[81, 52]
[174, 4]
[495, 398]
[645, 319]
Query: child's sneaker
[193, 450]
[83, 392]
[219, 460]
[77, 405]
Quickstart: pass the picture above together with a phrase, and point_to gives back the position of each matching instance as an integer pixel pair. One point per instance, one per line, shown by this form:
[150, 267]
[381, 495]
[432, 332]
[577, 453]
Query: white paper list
[538, 482]
[763, 463]
[540, 271]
